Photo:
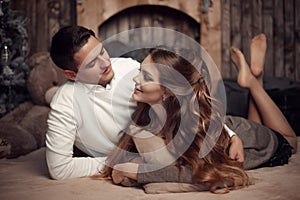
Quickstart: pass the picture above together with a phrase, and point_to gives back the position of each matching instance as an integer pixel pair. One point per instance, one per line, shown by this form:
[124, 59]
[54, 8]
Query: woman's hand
[121, 172]
[236, 150]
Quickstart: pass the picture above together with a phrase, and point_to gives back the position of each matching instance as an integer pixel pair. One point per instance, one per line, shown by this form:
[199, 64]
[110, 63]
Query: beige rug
[27, 178]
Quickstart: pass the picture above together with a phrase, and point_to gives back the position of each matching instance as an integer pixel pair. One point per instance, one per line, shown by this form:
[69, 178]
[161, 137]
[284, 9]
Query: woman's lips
[138, 90]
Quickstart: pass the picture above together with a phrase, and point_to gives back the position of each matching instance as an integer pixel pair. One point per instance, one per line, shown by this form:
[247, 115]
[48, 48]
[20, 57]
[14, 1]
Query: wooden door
[146, 16]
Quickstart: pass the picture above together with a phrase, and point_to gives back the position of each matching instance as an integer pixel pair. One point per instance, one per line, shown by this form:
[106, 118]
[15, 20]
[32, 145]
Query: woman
[267, 145]
[175, 109]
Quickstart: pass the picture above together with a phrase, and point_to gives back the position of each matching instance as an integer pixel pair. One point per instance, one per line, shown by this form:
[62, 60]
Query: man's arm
[60, 139]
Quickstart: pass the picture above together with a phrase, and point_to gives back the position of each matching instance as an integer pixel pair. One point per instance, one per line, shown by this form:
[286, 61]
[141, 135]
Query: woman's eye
[147, 78]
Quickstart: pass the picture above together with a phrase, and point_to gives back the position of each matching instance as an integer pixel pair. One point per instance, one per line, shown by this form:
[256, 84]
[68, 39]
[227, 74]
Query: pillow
[171, 187]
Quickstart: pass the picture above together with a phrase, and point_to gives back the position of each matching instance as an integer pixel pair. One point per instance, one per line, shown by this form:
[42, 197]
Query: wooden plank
[31, 27]
[111, 29]
[256, 17]
[204, 27]
[268, 30]
[53, 18]
[297, 40]
[170, 38]
[60, 13]
[146, 21]
[123, 25]
[67, 9]
[29, 10]
[42, 36]
[40, 12]
[278, 39]
[134, 37]
[211, 32]
[246, 28]
[235, 22]
[157, 21]
[226, 42]
[289, 39]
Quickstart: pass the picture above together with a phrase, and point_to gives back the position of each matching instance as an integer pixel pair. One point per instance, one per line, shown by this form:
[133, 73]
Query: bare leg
[271, 115]
[257, 51]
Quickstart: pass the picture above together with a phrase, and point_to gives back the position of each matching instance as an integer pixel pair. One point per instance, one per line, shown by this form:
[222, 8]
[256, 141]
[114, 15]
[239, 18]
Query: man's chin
[106, 79]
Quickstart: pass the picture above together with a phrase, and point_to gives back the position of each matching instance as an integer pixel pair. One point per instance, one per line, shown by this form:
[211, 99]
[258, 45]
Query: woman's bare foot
[258, 49]
[244, 74]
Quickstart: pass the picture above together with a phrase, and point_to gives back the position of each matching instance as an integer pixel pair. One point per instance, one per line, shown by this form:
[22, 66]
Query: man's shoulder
[67, 87]
[65, 91]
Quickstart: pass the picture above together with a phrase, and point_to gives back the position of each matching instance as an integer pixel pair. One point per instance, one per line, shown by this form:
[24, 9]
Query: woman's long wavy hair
[191, 124]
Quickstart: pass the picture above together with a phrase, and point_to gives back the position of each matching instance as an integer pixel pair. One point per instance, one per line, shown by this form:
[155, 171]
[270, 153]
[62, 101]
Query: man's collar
[94, 87]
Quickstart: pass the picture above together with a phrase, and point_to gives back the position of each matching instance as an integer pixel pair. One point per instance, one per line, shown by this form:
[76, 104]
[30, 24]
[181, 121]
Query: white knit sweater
[90, 117]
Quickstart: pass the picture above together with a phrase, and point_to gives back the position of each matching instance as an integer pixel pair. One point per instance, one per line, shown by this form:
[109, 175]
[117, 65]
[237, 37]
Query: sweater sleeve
[148, 173]
[60, 139]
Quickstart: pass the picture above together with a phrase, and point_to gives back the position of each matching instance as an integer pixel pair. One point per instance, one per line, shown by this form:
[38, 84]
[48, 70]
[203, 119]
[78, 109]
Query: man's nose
[104, 60]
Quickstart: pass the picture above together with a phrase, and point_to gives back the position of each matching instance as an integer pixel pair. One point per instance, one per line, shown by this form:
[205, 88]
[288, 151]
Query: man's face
[94, 63]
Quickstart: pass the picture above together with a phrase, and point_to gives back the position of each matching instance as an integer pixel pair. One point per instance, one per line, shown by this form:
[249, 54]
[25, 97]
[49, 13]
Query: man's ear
[69, 74]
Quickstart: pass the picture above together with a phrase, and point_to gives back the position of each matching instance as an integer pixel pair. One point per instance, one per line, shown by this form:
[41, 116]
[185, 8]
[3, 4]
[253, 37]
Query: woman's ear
[166, 94]
[69, 74]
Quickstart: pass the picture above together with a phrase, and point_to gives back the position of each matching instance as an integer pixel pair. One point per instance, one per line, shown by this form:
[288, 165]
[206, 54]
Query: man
[82, 110]
[93, 107]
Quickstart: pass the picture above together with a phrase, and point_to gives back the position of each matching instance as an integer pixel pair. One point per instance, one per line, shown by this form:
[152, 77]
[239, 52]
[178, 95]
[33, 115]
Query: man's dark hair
[66, 42]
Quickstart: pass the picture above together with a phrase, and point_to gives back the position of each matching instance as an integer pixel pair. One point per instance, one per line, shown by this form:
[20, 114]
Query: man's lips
[106, 70]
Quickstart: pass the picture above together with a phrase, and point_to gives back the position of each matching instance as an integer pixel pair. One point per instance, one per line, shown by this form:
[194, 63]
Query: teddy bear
[23, 129]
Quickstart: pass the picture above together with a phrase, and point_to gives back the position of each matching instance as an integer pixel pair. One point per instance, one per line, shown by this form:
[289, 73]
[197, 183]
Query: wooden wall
[227, 23]
[46, 17]
[146, 16]
[92, 13]
[279, 20]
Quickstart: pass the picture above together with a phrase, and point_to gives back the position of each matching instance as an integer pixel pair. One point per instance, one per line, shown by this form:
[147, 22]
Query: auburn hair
[194, 122]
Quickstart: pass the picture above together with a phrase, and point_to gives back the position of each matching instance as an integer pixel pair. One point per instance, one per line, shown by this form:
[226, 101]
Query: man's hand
[236, 150]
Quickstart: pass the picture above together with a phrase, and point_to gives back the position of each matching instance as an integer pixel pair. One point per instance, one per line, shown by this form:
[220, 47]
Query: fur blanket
[27, 177]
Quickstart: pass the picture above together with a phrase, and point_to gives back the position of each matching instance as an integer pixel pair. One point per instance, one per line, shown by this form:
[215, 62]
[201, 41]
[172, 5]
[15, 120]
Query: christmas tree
[14, 50]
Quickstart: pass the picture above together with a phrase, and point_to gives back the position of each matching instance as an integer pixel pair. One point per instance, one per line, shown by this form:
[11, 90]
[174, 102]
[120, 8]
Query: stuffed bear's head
[44, 76]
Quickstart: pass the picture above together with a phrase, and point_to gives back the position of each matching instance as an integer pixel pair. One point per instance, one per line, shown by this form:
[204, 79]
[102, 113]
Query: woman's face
[147, 88]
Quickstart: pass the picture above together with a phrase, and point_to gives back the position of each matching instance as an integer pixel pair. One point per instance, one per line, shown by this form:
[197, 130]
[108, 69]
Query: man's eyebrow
[102, 47]
[94, 55]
